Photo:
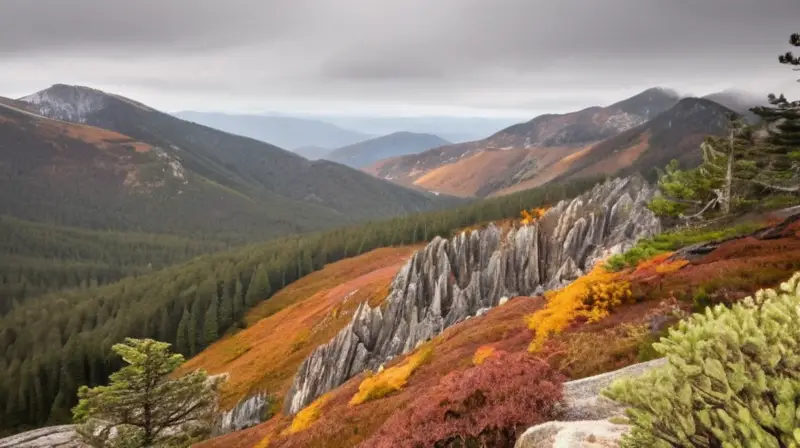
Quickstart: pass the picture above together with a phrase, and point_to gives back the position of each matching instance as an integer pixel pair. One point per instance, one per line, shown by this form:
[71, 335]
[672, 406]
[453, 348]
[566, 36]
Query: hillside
[286, 132]
[366, 153]
[59, 335]
[663, 289]
[312, 152]
[216, 176]
[533, 141]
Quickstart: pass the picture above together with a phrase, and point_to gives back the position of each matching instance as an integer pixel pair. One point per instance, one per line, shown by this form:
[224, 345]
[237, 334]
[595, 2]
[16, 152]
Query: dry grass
[306, 314]
[390, 380]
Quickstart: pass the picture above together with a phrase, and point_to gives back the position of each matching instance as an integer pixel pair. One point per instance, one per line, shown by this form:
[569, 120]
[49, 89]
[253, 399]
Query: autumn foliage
[592, 296]
[487, 405]
[383, 383]
[532, 215]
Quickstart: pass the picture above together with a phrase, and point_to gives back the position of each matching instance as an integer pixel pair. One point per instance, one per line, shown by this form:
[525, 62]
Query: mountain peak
[72, 102]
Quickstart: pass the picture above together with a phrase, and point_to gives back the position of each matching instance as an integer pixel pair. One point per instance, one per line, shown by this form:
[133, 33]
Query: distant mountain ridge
[397, 144]
[277, 192]
[286, 132]
[515, 151]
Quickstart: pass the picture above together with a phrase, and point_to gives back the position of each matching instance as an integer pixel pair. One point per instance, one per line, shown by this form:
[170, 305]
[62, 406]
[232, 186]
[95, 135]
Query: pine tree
[191, 332]
[259, 287]
[211, 323]
[238, 300]
[226, 312]
[163, 326]
[143, 406]
[182, 338]
[782, 146]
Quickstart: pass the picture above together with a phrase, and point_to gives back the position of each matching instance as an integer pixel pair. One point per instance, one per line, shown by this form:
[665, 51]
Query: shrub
[486, 405]
[584, 353]
[390, 380]
[481, 354]
[591, 296]
[733, 378]
[670, 241]
[308, 416]
[532, 215]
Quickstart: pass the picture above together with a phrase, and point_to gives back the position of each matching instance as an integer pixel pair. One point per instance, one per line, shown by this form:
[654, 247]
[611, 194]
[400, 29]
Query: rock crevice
[452, 279]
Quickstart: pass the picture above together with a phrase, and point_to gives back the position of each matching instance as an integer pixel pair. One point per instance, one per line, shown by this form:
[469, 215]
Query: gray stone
[452, 280]
[582, 434]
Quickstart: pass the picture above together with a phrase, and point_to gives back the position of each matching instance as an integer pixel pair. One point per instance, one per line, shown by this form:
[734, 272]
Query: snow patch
[72, 104]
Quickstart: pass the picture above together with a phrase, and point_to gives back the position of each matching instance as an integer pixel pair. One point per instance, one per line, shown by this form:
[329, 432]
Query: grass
[671, 241]
[308, 416]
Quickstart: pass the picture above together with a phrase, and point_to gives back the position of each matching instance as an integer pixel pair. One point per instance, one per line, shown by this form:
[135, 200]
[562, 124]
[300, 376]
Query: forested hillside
[53, 343]
[37, 258]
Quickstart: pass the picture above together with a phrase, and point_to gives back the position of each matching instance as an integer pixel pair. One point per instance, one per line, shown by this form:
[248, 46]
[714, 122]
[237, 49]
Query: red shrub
[487, 405]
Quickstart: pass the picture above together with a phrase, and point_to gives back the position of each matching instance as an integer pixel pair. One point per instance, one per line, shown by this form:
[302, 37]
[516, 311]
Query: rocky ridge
[451, 280]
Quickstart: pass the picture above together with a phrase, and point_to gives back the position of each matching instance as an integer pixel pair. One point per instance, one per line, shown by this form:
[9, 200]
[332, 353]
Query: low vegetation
[732, 379]
[392, 379]
[486, 405]
[673, 240]
[591, 296]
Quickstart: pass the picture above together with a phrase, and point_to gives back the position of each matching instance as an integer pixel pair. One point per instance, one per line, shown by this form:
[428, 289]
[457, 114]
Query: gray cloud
[525, 56]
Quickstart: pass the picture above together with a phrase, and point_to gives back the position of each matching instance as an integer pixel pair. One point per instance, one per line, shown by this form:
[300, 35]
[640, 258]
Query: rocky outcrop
[451, 280]
[583, 434]
[248, 412]
[51, 437]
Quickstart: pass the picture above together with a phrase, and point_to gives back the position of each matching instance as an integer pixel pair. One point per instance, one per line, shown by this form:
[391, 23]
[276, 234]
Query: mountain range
[397, 144]
[286, 132]
[642, 132]
[86, 158]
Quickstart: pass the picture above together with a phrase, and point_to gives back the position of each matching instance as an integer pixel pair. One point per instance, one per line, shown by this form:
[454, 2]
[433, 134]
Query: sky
[515, 58]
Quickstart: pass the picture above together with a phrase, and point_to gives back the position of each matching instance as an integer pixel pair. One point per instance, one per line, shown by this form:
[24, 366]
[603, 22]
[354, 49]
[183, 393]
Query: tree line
[51, 344]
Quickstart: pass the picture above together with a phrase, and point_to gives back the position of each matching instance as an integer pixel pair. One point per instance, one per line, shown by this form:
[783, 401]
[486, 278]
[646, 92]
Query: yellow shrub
[383, 383]
[530, 216]
[264, 443]
[593, 296]
[307, 416]
[481, 354]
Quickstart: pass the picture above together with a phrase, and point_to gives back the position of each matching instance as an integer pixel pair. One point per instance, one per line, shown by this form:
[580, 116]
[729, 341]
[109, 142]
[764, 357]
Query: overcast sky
[466, 57]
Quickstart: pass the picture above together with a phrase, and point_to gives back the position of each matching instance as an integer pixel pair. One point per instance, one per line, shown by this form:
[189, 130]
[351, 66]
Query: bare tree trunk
[726, 195]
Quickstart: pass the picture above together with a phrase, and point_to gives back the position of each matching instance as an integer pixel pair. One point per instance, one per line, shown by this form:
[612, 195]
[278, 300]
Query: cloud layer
[394, 56]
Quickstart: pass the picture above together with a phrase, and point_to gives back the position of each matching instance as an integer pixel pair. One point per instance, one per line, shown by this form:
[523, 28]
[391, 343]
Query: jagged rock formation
[451, 280]
[63, 436]
[247, 412]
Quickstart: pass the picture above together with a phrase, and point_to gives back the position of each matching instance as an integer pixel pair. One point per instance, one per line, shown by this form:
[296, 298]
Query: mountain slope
[78, 175]
[302, 195]
[312, 152]
[393, 145]
[568, 133]
[739, 102]
[286, 132]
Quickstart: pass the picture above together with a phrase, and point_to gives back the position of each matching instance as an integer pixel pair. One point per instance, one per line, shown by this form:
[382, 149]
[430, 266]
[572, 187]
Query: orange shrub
[383, 383]
[591, 296]
[481, 354]
[530, 216]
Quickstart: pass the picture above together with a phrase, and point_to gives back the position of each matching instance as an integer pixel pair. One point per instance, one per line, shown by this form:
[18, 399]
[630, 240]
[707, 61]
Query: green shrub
[674, 240]
[733, 379]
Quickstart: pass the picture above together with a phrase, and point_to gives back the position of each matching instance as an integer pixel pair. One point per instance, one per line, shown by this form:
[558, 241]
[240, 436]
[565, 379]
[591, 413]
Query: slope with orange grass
[662, 290]
[283, 330]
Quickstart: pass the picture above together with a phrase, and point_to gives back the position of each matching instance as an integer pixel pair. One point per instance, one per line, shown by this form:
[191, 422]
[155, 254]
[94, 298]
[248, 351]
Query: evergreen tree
[191, 332]
[142, 406]
[226, 312]
[239, 306]
[182, 338]
[163, 326]
[259, 287]
[211, 323]
[781, 172]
